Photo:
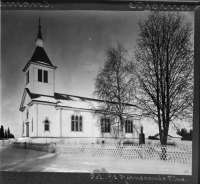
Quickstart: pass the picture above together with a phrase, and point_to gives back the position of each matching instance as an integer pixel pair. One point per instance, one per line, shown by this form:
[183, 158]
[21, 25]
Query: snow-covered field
[24, 160]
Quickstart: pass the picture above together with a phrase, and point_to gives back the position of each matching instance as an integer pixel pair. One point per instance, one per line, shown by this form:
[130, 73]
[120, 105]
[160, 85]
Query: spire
[39, 30]
[39, 56]
[39, 40]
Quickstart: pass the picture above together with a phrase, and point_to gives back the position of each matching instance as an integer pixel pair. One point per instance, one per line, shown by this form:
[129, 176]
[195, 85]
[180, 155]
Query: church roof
[40, 56]
[65, 100]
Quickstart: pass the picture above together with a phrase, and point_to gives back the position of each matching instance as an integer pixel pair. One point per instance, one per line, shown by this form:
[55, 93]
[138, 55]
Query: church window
[46, 125]
[80, 123]
[27, 77]
[128, 126]
[72, 122]
[39, 75]
[42, 76]
[76, 123]
[45, 76]
[105, 125]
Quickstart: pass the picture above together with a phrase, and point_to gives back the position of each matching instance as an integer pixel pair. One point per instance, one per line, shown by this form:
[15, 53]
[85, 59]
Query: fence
[176, 154]
[6, 142]
[34, 146]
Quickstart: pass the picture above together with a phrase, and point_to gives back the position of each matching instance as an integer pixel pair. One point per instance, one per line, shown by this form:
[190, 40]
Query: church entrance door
[27, 130]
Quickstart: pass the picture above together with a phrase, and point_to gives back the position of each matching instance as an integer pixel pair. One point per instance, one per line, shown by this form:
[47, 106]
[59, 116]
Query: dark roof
[40, 56]
[59, 96]
[32, 95]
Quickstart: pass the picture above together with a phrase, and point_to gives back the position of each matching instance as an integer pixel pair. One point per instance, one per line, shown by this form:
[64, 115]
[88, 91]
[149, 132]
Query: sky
[75, 42]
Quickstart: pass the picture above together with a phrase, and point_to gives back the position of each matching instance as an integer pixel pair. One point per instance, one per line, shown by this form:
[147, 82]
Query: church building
[49, 116]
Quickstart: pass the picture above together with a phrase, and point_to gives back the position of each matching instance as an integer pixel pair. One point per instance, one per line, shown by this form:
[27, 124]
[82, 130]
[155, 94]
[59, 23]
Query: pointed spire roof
[39, 56]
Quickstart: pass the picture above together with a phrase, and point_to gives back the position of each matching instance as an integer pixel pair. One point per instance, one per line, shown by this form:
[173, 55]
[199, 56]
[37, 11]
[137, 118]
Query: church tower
[39, 71]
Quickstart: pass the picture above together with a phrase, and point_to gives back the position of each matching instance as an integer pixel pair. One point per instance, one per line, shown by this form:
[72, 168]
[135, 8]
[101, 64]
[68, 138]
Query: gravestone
[142, 137]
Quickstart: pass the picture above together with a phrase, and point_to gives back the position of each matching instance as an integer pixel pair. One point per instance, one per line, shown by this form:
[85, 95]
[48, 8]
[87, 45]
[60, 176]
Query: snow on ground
[24, 160]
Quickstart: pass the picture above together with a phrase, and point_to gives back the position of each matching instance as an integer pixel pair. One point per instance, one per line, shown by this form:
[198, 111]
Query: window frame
[45, 77]
[40, 79]
[76, 123]
[105, 125]
[46, 122]
[129, 126]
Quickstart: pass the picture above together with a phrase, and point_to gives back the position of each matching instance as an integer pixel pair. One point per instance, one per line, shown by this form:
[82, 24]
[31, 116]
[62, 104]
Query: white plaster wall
[41, 87]
[30, 84]
[88, 124]
[29, 120]
[23, 121]
[32, 132]
[53, 116]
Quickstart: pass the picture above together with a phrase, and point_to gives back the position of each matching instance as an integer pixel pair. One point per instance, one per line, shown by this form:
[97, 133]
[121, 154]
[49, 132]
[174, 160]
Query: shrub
[130, 142]
[152, 138]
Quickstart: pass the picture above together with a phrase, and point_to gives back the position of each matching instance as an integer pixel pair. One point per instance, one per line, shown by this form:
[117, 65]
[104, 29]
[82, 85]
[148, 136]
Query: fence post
[143, 151]
[93, 154]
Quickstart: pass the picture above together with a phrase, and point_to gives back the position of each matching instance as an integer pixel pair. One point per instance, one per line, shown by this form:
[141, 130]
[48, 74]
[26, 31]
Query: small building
[48, 116]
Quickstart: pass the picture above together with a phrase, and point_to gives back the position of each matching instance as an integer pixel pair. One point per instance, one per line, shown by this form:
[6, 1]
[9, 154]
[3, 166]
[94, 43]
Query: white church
[48, 116]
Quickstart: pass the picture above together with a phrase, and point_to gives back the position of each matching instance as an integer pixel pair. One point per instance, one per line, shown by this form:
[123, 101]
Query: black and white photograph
[90, 91]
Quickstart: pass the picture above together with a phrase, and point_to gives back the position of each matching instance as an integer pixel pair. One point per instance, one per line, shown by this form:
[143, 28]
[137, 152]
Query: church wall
[48, 111]
[88, 130]
[31, 120]
[23, 125]
[30, 84]
[41, 87]
[28, 120]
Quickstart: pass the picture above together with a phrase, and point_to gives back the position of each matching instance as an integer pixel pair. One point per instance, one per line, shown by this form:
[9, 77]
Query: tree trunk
[121, 130]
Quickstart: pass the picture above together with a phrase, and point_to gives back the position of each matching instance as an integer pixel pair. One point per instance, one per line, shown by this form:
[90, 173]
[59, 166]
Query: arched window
[76, 123]
[46, 125]
[72, 123]
[105, 125]
[128, 126]
[76, 128]
[80, 123]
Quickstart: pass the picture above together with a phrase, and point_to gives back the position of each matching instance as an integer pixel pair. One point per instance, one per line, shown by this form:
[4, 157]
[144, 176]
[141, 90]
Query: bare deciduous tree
[164, 69]
[114, 86]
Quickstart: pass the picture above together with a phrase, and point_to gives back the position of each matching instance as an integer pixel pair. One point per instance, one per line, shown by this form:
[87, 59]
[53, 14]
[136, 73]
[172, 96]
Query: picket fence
[175, 154]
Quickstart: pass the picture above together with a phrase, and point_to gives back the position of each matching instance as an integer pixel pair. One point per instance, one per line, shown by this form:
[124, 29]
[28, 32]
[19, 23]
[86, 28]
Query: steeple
[39, 56]
[39, 71]
[39, 40]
